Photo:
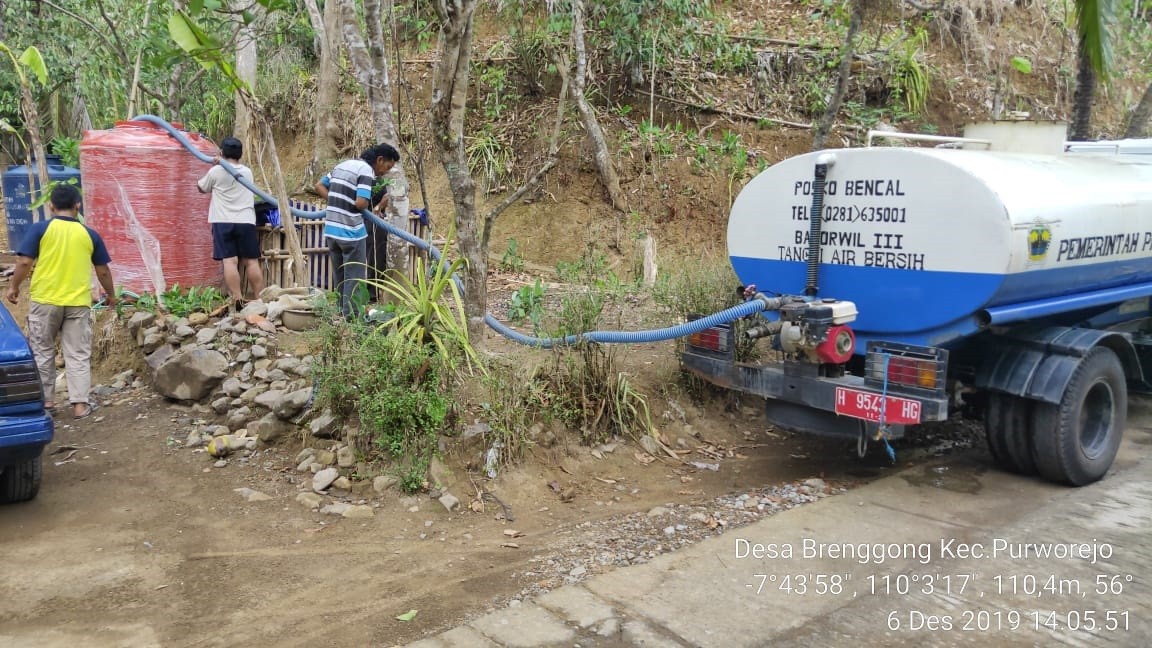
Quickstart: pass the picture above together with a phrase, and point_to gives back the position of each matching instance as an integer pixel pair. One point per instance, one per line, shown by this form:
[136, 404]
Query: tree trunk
[316, 19]
[326, 130]
[1085, 93]
[824, 127]
[32, 122]
[371, 68]
[79, 119]
[591, 124]
[449, 96]
[299, 268]
[398, 189]
[246, 61]
[134, 90]
[1138, 123]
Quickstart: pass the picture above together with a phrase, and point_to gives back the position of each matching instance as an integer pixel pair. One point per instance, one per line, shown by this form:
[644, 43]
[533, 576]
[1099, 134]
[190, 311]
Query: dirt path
[138, 542]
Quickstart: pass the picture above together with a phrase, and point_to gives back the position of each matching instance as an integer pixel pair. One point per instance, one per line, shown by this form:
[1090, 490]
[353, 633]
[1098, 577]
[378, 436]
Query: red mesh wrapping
[140, 194]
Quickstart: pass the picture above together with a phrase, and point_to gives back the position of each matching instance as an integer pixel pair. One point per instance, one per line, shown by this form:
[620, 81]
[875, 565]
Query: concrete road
[946, 554]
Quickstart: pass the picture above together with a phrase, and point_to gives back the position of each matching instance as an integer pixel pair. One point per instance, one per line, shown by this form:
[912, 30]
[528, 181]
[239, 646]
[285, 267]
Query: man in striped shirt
[348, 190]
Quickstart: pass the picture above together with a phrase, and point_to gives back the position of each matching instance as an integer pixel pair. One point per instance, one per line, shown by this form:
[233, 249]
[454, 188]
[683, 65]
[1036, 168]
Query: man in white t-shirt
[233, 219]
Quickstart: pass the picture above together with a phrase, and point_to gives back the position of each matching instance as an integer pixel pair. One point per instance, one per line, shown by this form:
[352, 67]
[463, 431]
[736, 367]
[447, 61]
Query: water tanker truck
[1000, 273]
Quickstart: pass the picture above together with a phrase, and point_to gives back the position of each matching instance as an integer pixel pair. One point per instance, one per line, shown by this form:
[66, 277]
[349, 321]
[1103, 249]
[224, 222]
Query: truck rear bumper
[810, 403]
[24, 437]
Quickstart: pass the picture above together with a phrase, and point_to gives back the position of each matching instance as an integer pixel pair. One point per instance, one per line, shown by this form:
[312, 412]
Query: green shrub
[395, 388]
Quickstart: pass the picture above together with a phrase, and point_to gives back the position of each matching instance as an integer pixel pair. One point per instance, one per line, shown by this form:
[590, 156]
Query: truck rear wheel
[20, 482]
[1009, 436]
[1076, 440]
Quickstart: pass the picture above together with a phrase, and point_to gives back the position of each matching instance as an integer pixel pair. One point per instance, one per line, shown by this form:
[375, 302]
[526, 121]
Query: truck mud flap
[807, 420]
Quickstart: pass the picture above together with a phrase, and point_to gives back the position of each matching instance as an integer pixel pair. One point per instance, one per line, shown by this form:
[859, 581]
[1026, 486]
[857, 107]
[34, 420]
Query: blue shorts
[235, 240]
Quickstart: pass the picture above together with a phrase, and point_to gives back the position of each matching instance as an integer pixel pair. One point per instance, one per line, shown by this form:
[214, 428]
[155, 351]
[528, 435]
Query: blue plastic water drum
[18, 199]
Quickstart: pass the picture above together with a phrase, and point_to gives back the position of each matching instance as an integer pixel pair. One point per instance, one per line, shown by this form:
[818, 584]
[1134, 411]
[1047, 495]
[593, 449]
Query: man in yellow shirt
[65, 252]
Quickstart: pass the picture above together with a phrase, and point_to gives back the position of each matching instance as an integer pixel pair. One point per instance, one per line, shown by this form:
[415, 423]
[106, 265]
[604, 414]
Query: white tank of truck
[932, 244]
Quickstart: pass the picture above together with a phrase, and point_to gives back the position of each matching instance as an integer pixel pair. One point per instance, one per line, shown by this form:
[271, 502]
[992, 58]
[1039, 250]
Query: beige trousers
[74, 325]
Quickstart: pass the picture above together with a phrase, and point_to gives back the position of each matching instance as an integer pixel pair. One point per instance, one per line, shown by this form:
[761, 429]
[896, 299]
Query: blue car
[25, 428]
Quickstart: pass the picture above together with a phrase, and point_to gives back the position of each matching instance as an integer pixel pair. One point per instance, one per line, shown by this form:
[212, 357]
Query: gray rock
[244, 356]
[152, 341]
[481, 427]
[276, 375]
[291, 403]
[223, 463]
[343, 483]
[206, 335]
[260, 374]
[222, 405]
[358, 511]
[158, 356]
[306, 453]
[139, 321]
[650, 445]
[258, 351]
[185, 331]
[195, 440]
[311, 500]
[198, 319]
[287, 364]
[271, 293]
[815, 484]
[324, 426]
[578, 571]
[305, 465]
[218, 430]
[256, 307]
[279, 385]
[450, 501]
[383, 483]
[232, 387]
[269, 399]
[239, 417]
[250, 394]
[190, 374]
[252, 495]
[336, 508]
[324, 479]
[269, 428]
[346, 457]
[657, 511]
[439, 473]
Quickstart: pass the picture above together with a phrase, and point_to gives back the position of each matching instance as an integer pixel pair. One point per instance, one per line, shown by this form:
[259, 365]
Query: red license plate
[869, 406]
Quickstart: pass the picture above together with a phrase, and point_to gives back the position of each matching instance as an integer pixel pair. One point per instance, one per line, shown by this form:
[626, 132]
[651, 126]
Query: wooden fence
[275, 260]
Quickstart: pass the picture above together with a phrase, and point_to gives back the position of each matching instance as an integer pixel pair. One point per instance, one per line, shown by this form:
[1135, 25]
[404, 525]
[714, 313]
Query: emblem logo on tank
[1039, 239]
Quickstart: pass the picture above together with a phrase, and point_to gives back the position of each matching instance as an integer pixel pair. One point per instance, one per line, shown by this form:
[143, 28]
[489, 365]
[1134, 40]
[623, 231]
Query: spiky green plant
[429, 311]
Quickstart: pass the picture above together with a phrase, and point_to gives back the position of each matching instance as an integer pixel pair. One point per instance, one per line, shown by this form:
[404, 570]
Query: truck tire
[1006, 424]
[1076, 440]
[20, 482]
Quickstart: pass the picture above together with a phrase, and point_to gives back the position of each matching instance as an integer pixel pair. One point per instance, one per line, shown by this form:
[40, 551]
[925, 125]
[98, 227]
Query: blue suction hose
[750, 307]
